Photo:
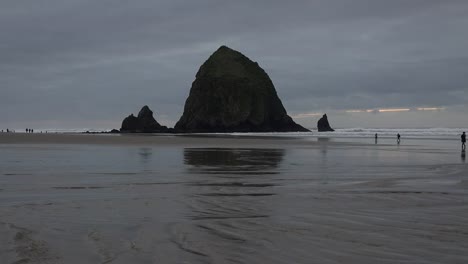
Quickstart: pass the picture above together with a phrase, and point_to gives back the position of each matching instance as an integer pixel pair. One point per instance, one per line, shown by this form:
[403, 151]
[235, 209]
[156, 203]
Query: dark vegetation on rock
[231, 93]
[323, 125]
[143, 123]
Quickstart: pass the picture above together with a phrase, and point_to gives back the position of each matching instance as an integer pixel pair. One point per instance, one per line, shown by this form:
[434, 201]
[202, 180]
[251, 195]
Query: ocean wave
[439, 132]
[370, 132]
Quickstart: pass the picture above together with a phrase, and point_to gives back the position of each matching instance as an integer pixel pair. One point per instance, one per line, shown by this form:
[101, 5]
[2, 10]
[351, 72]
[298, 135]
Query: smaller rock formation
[143, 123]
[323, 125]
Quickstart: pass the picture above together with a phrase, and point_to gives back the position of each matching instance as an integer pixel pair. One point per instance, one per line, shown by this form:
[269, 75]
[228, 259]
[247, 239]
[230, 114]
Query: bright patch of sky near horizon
[83, 63]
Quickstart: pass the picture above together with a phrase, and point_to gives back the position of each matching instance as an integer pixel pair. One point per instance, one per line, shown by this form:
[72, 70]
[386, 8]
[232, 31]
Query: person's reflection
[463, 156]
[324, 164]
[323, 139]
[145, 154]
[323, 145]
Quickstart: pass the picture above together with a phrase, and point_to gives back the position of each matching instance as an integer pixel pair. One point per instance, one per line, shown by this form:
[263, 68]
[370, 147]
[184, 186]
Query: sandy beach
[78, 198]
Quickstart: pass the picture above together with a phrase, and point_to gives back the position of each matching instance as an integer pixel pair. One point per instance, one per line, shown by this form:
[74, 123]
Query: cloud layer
[83, 63]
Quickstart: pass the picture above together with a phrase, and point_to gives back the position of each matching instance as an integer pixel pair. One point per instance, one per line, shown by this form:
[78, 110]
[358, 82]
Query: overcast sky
[88, 63]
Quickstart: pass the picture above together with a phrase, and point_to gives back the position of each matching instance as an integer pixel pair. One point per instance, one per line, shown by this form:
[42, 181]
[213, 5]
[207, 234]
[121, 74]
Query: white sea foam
[341, 132]
[370, 132]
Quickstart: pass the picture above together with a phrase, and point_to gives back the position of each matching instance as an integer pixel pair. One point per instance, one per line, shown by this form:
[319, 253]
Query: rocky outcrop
[231, 93]
[143, 123]
[323, 125]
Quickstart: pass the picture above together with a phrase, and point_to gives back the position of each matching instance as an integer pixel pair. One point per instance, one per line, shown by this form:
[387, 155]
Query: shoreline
[154, 139]
[201, 139]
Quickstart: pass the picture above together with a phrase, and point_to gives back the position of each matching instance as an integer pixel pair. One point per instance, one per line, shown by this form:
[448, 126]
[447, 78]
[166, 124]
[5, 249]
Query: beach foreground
[230, 199]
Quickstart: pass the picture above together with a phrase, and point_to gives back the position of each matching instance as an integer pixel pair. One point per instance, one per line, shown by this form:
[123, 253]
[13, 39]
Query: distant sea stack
[323, 125]
[143, 123]
[231, 93]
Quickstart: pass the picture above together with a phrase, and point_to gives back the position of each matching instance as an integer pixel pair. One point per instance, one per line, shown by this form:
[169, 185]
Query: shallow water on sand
[323, 202]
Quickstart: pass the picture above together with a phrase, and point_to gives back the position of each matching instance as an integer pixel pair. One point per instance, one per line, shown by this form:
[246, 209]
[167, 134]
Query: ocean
[340, 132]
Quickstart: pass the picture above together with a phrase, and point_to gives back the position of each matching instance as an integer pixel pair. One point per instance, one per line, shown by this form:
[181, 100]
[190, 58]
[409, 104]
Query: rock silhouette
[143, 123]
[231, 93]
[323, 125]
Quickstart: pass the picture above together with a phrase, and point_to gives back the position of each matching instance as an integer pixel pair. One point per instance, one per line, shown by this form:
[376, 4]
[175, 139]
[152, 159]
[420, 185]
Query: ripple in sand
[78, 187]
[235, 184]
[236, 194]
[227, 217]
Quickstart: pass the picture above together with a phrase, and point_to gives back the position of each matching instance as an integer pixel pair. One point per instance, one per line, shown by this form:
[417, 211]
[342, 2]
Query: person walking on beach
[398, 138]
[463, 140]
[376, 138]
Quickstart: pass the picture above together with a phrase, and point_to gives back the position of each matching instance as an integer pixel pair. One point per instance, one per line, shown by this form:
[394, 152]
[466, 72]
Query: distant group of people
[376, 136]
[28, 130]
[398, 138]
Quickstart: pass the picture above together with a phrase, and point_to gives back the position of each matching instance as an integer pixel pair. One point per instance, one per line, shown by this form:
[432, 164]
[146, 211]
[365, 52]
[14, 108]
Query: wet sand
[73, 198]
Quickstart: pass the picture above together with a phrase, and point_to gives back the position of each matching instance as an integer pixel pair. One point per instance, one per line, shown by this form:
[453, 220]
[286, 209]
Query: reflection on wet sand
[145, 154]
[231, 194]
[232, 172]
[324, 159]
[235, 161]
[323, 139]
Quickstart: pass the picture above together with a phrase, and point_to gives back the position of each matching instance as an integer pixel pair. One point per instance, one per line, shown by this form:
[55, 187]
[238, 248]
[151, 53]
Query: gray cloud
[82, 63]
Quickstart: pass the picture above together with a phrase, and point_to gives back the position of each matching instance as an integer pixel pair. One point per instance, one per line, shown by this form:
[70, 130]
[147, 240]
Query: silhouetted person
[32, 130]
[398, 138]
[463, 140]
[376, 138]
[7, 130]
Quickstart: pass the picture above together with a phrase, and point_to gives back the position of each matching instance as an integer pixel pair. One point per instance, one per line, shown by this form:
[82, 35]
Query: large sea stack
[231, 93]
[323, 125]
[143, 123]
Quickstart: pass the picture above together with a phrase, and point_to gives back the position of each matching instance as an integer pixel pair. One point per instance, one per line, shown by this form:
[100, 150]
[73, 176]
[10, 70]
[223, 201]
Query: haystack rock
[231, 93]
[143, 123]
[323, 125]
